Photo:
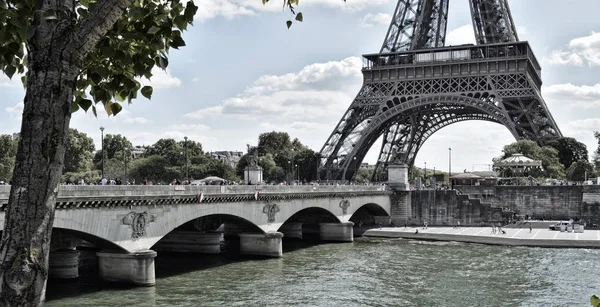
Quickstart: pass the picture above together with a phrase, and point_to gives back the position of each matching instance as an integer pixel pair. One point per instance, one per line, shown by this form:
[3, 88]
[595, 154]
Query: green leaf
[85, 104]
[24, 80]
[115, 108]
[177, 42]
[190, 11]
[74, 106]
[108, 52]
[30, 30]
[265, 1]
[595, 301]
[10, 71]
[299, 17]
[85, 3]
[180, 22]
[288, 23]
[153, 30]
[94, 111]
[147, 91]
[163, 62]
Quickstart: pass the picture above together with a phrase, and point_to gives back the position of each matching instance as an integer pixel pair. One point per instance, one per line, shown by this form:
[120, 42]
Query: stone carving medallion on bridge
[270, 210]
[138, 223]
[344, 204]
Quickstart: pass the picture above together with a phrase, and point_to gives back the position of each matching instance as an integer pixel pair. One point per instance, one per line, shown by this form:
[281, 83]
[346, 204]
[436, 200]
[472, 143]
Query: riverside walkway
[484, 235]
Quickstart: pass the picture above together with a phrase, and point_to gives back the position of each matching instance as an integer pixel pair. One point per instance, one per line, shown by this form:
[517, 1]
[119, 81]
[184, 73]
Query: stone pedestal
[191, 242]
[268, 244]
[64, 264]
[292, 230]
[398, 177]
[337, 232]
[253, 174]
[133, 268]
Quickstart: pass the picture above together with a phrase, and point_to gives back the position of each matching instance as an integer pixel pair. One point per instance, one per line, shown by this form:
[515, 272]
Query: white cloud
[312, 126]
[7, 82]
[195, 79]
[15, 111]
[461, 35]
[192, 127]
[161, 79]
[230, 9]
[136, 120]
[268, 126]
[376, 19]
[580, 50]
[583, 96]
[316, 91]
[205, 113]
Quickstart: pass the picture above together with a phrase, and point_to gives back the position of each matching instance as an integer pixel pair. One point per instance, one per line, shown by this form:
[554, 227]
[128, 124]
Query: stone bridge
[128, 223]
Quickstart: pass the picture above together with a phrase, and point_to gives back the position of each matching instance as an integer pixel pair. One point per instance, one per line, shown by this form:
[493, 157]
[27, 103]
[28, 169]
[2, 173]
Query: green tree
[363, 175]
[74, 48]
[569, 150]
[580, 170]
[78, 152]
[8, 151]
[548, 155]
[596, 158]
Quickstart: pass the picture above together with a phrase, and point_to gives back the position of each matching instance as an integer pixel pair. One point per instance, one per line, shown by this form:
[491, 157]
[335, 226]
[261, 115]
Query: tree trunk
[55, 56]
[39, 162]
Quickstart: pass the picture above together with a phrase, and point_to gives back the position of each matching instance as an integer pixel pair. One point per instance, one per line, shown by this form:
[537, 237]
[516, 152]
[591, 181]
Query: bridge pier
[337, 232]
[401, 210]
[268, 244]
[191, 242]
[292, 230]
[64, 264]
[134, 268]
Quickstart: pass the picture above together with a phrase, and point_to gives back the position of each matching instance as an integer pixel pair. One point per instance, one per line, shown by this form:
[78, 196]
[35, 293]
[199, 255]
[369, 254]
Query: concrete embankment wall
[481, 204]
[483, 239]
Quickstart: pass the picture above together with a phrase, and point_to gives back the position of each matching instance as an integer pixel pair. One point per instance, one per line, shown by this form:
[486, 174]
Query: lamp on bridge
[102, 138]
[297, 173]
[187, 178]
[450, 166]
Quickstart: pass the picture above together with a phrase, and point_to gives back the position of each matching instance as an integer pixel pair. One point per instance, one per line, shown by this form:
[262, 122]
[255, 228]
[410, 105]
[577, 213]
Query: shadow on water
[167, 264]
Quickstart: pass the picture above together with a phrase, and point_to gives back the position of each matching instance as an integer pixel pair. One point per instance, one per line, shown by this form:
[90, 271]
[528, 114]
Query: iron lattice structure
[415, 86]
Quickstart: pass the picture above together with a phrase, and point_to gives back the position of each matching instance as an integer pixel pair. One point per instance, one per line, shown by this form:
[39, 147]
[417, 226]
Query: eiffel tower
[415, 86]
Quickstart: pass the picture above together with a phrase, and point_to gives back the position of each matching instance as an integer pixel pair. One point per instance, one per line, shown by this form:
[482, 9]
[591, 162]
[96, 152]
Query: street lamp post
[355, 168]
[425, 175]
[289, 171]
[297, 173]
[450, 166]
[102, 136]
[187, 178]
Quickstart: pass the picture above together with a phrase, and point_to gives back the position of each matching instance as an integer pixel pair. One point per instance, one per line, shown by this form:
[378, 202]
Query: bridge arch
[367, 212]
[99, 242]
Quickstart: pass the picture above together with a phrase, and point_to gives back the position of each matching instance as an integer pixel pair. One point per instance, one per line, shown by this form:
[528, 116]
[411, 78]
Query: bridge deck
[483, 235]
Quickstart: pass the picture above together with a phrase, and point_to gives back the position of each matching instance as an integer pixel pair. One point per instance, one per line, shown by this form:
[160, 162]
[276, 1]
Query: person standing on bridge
[530, 227]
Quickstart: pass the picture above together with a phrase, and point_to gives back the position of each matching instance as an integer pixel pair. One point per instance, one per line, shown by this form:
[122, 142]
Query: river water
[368, 272]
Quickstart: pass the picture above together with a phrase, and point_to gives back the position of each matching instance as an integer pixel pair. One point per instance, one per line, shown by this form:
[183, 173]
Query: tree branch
[94, 27]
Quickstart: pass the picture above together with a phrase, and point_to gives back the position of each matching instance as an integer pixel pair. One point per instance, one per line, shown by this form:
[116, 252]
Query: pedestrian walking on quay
[530, 228]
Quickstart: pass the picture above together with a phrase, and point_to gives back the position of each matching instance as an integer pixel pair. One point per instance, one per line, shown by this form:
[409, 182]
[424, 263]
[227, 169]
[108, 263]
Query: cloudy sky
[243, 73]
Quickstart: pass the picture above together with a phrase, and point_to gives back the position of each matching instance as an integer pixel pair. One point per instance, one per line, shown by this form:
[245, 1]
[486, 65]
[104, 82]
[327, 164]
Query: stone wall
[447, 207]
[477, 204]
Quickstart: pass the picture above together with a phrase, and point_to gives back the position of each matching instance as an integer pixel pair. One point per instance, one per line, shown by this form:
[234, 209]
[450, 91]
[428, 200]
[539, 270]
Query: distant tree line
[562, 158]
[161, 162]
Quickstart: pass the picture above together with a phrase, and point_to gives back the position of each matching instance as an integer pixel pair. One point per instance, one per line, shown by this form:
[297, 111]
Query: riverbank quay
[483, 235]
